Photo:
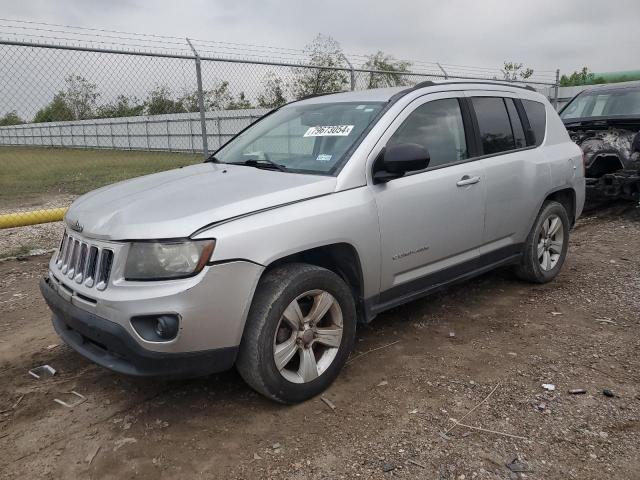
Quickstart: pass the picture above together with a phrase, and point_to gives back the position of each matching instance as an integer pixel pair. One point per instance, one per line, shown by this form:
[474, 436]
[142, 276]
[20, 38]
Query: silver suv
[322, 214]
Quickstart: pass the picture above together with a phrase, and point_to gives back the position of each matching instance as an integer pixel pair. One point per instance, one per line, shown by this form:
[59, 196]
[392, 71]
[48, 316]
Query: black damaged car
[605, 122]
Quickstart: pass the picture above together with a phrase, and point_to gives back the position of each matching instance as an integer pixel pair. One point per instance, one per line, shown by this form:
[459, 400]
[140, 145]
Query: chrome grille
[83, 262]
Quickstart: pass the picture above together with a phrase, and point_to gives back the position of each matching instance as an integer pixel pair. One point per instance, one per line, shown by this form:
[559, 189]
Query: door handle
[467, 180]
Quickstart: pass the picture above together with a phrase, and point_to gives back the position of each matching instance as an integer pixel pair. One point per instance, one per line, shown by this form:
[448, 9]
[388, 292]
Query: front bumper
[109, 344]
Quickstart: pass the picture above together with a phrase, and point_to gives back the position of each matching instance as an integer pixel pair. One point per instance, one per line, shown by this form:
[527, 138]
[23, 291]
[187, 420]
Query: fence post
[168, 135]
[203, 121]
[446, 76]
[218, 121]
[193, 150]
[352, 73]
[556, 90]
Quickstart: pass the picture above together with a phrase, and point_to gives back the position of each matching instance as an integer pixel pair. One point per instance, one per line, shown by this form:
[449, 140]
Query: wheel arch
[567, 198]
[340, 258]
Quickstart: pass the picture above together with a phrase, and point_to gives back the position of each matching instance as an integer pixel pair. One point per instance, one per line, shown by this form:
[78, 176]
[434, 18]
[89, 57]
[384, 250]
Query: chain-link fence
[74, 118]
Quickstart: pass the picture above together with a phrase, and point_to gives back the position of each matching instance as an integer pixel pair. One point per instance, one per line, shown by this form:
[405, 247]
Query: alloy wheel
[550, 242]
[308, 336]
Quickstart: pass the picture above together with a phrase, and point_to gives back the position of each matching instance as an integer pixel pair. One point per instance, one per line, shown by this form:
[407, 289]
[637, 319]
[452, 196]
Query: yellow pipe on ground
[21, 219]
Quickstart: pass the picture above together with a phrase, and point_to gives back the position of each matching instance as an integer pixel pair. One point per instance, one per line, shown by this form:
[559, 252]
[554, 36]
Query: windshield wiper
[262, 163]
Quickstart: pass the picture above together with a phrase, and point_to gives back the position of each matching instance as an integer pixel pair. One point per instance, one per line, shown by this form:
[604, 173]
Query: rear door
[510, 166]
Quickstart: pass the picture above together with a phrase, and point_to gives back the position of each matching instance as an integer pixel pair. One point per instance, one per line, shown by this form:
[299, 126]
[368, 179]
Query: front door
[431, 222]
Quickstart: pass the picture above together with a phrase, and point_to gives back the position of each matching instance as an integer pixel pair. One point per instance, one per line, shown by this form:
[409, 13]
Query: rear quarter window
[537, 115]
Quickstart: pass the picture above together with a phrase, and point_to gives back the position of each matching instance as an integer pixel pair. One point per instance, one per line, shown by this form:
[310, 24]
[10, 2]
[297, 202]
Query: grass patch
[28, 174]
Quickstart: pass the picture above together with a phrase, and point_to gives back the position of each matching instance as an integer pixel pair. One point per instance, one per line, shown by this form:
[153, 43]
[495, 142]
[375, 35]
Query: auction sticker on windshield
[329, 131]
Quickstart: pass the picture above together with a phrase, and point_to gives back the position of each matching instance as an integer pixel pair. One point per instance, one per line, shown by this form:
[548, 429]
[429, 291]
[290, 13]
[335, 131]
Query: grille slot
[65, 256]
[63, 244]
[75, 250]
[90, 275]
[84, 263]
[104, 270]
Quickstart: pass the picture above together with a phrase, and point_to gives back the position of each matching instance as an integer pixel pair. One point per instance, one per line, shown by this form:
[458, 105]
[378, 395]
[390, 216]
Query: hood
[628, 122]
[178, 202]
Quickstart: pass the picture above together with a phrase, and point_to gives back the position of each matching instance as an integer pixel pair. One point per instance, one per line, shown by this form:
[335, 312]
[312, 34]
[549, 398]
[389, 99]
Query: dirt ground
[392, 405]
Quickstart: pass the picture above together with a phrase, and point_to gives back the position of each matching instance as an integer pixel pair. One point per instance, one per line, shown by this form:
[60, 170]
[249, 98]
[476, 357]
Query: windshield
[302, 138]
[611, 103]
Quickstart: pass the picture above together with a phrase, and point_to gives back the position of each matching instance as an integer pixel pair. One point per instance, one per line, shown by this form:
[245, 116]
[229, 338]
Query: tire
[270, 330]
[543, 255]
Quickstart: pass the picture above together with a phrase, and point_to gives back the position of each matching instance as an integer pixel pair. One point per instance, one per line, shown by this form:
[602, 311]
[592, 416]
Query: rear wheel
[546, 246]
[299, 332]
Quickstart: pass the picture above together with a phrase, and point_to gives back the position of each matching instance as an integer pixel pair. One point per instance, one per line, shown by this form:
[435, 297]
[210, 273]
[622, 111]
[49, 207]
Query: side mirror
[396, 160]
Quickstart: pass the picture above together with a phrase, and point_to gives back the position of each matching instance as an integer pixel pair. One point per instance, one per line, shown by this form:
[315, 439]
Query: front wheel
[546, 246]
[299, 332]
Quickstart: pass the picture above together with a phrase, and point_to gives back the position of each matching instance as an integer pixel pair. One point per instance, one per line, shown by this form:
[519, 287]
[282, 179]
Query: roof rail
[429, 83]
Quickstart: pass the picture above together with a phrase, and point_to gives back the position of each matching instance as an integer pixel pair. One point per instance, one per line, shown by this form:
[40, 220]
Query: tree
[239, 103]
[386, 63]
[56, 111]
[323, 51]
[123, 106]
[81, 97]
[273, 94]
[515, 71]
[76, 102]
[160, 102]
[10, 118]
[216, 98]
[582, 77]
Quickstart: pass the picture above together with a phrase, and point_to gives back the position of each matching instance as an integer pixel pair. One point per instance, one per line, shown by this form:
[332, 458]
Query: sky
[546, 34]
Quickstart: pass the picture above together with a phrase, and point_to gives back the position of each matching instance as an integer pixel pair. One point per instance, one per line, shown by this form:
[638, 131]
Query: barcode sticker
[329, 131]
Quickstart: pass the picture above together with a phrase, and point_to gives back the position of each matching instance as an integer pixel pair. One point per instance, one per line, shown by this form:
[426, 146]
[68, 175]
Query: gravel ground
[494, 339]
[33, 239]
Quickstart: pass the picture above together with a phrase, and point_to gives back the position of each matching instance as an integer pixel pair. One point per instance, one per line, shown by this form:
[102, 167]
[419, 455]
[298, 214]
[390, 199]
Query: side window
[494, 125]
[537, 115]
[438, 127]
[516, 124]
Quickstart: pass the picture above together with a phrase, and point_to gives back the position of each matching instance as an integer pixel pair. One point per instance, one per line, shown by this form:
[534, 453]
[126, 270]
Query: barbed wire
[157, 43]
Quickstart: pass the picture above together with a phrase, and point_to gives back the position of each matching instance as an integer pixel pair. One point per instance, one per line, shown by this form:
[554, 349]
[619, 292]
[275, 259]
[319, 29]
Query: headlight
[163, 260]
